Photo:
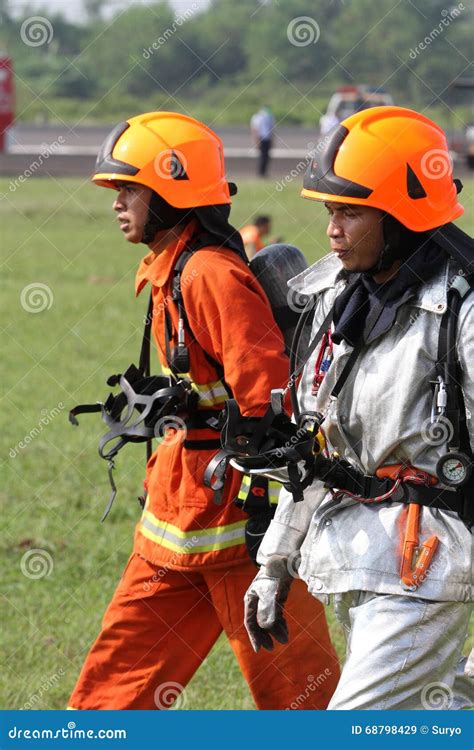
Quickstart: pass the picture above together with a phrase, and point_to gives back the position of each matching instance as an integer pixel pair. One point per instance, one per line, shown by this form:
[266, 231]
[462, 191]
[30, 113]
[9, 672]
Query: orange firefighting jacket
[230, 318]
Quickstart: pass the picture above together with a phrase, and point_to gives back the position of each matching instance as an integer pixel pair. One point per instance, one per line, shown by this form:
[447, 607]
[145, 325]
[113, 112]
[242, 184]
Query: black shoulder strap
[448, 368]
[202, 240]
[144, 366]
[447, 364]
[144, 362]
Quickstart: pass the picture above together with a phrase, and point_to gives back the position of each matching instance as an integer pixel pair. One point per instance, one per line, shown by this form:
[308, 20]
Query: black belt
[432, 497]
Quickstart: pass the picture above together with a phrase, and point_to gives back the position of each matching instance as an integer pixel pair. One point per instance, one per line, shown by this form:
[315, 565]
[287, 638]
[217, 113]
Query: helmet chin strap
[162, 216]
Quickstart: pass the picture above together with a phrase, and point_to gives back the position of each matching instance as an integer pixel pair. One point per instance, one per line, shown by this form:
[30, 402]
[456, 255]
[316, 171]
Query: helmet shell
[390, 158]
[176, 156]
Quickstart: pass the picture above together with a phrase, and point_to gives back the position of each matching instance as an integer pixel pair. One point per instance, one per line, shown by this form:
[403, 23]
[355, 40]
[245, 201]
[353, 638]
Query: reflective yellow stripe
[244, 488]
[210, 394]
[167, 371]
[273, 492]
[191, 542]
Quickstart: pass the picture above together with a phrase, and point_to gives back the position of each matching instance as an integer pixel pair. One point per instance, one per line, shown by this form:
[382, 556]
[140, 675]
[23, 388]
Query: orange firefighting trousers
[161, 624]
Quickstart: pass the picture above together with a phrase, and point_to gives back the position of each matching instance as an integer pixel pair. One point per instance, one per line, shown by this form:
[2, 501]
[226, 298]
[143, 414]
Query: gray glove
[264, 603]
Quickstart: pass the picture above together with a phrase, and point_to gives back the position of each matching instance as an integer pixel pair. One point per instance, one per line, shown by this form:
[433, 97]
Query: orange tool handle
[410, 544]
[400, 471]
[425, 558]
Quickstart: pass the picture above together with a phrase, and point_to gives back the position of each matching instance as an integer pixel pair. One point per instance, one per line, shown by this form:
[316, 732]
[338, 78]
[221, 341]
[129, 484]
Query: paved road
[234, 137]
[40, 150]
[59, 151]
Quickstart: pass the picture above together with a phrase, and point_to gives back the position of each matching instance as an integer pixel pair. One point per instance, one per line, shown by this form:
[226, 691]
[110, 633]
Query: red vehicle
[7, 98]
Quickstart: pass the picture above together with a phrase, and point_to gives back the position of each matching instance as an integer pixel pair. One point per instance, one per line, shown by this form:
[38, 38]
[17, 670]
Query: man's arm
[231, 318]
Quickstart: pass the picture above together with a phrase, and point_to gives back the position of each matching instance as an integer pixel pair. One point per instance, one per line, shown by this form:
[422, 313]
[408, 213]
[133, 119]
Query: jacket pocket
[193, 493]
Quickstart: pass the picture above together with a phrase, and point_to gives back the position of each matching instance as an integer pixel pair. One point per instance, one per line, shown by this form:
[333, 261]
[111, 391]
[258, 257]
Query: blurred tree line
[223, 61]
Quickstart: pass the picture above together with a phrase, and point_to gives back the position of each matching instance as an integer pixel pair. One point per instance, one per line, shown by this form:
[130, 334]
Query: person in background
[262, 126]
[253, 234]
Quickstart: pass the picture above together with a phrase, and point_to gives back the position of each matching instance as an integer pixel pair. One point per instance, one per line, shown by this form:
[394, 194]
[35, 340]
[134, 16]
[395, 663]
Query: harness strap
[340, 475]
[215, 473]
[144, 362]
[297, 369]
[447, 369]
[83, 409]
[202, 445]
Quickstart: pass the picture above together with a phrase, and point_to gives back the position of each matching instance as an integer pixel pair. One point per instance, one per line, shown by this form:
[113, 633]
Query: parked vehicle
[350, 99]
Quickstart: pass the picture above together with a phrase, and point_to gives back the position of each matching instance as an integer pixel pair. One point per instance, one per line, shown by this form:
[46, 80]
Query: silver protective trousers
[402, 653]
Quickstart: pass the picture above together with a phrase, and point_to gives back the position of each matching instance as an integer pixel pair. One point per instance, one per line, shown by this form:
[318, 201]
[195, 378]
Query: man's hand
[264, 603]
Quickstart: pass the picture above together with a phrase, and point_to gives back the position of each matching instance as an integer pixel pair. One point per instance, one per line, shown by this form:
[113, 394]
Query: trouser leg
[402, 652]
[463, 689]
[264, 159]
[157, 630]
[301, 674]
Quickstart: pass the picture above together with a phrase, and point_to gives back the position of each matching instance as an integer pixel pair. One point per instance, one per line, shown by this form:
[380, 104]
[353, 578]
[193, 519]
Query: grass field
[60, 237]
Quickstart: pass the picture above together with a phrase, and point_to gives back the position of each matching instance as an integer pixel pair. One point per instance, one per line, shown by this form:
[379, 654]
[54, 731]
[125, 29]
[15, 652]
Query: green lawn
[62, 235]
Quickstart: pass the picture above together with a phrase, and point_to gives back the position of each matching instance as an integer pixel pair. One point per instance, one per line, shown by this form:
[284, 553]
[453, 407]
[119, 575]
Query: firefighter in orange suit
[189, 569]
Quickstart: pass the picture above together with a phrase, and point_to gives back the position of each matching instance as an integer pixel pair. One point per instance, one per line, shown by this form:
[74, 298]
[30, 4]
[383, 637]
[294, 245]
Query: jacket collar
[323, 275]
[318, 277]
[157, 269]
[433, 295]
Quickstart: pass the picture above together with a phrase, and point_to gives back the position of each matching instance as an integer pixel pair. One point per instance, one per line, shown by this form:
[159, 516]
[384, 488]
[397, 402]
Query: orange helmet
[176, 156]
[390, 158]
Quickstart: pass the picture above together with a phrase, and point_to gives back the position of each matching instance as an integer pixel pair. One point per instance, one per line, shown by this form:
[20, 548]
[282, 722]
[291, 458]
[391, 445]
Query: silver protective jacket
[382, 416]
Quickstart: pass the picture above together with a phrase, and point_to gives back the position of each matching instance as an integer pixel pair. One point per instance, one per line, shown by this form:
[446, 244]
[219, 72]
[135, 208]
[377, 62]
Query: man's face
[356, 235]
[131, 205]
[264, 229]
